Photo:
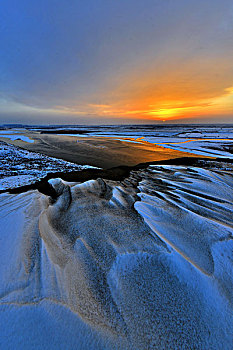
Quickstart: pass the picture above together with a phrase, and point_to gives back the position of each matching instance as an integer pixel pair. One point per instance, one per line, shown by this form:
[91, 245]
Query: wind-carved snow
[196, 207]
[147, 270]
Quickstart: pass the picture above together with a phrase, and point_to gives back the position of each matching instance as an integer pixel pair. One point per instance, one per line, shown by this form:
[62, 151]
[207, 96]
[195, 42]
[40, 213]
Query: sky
[116, 61]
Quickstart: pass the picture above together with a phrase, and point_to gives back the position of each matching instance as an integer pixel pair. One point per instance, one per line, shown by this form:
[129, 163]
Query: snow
[100, 268]
[20, 167]
[16, 136]
[31, 317]
[47, 325]
[10, 131]
[145, 263]
[16, 181]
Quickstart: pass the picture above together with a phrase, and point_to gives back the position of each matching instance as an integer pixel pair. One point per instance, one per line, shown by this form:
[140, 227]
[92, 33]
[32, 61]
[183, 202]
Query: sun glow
[143, 107]
[167, 113]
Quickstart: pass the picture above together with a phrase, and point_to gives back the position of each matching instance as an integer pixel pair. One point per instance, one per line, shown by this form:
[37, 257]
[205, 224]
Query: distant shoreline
[103, 152]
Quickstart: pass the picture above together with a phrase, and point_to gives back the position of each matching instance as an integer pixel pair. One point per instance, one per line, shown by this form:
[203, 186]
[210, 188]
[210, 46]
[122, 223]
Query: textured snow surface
[108, 267]
[19, 167]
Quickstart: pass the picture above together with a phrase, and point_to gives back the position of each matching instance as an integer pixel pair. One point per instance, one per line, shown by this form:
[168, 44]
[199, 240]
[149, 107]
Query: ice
[215, 141]
[204, 140]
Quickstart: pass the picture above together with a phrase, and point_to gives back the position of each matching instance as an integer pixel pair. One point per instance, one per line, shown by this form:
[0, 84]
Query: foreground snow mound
[124, 273]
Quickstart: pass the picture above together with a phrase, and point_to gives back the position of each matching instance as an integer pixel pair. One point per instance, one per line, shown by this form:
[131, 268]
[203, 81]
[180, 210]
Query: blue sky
[109, 61]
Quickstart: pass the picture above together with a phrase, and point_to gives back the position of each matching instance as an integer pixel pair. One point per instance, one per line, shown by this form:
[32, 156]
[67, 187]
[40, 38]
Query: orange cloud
[161, 110]
[174, 91]
[191, 88]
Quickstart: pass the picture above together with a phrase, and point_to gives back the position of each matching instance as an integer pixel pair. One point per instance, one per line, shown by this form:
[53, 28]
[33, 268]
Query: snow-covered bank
[19, 167]
[121, 272]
